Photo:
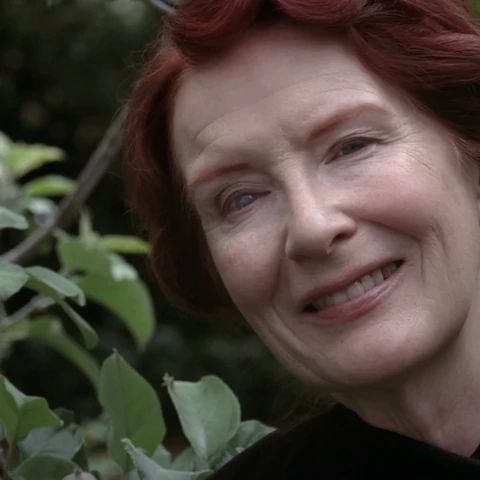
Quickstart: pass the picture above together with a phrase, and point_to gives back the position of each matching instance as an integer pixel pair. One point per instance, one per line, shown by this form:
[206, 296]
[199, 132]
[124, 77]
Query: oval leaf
[209, 413]
[87, 255]
[20, 414]
[54, 285]
[132, 407]
[49, 186]
[9, 219]
[12, 279]
[23, 158]
[84, 255]
[78, 475]
[43, 467]
[129, 299]
[148, 469]
[249, 432]
[62, 442]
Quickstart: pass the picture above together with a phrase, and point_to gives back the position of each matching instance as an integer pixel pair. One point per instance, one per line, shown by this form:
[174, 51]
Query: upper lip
[341, 281]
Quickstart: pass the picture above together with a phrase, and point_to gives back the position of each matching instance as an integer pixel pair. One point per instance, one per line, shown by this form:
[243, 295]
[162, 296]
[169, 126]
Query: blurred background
[64, 71]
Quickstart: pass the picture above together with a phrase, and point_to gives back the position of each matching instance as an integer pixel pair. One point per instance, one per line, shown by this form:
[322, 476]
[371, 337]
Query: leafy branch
[102, 158]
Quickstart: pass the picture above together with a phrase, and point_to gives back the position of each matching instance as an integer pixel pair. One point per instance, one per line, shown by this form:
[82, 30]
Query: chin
[386, 356]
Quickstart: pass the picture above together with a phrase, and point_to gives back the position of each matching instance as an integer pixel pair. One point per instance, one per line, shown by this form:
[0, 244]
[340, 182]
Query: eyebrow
[322, 128]
[331, 122]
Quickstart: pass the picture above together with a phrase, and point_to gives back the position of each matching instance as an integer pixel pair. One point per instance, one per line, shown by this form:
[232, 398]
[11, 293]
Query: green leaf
[57, 287]
[9, 219]
[5, 146]
[20, 414]
[79, 476]
[40, 207]
[120, 269]
[87, 255]
[188, 461]
[54, 285]
[209, 413]
[90, 337]
[129, 299]
[49, 186]
[132, 407]
[162, 456]
[85, 228]
[50, 331]
[61, 442]
[12, 279]
[23, 158]
[124, 244]
[43, 467]
[249, 432]
[148, 469]
[81, 254]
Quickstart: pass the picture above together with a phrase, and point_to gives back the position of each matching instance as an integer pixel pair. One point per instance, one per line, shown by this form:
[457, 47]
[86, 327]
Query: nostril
[317, 233]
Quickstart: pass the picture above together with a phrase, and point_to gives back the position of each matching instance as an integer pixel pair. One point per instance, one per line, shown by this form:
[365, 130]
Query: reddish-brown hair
[430, 49]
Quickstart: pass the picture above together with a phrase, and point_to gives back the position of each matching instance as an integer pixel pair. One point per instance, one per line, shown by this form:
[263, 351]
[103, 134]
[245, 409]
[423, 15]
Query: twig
[165, 6]
[98, 164]
[37, 304]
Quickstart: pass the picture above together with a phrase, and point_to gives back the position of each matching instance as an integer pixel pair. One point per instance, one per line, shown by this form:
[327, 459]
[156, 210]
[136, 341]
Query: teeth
[357, 288]
[340, 297]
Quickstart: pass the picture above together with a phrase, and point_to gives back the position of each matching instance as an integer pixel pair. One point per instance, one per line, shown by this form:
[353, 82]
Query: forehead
[282, 72]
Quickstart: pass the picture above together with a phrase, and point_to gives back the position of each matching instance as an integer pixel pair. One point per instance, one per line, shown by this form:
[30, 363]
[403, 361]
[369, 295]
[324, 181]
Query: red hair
[429, 49]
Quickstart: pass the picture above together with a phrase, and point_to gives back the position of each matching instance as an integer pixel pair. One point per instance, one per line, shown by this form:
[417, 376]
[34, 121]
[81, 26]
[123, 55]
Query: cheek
[412, 199]
[248, 266]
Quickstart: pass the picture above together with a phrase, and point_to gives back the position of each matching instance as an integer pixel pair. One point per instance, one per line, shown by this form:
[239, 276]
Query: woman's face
[314, 181]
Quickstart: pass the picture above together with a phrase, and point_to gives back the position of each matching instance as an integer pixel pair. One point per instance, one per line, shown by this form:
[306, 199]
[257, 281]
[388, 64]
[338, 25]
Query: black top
[341, 446]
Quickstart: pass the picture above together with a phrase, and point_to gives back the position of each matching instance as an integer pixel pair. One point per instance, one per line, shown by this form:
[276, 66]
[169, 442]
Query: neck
[439, 404]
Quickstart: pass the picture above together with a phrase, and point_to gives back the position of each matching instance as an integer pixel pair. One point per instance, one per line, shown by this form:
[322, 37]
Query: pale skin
[303, 167]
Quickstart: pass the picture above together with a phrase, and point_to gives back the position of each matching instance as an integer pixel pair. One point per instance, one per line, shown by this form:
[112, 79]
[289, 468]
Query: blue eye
[353, 146]
[242, 201]
[238, 201]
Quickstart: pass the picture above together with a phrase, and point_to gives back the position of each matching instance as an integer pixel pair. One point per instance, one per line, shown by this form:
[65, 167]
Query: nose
[317, 224]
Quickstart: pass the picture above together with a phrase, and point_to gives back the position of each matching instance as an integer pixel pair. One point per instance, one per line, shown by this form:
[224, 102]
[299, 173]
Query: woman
[314, 166]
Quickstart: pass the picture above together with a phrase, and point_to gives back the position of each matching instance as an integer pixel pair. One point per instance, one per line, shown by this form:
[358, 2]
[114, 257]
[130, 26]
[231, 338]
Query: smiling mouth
[355, 290]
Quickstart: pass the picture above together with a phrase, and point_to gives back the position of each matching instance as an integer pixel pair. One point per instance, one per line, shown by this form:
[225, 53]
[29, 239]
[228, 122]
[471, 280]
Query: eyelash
[230, 199]
[366, 141]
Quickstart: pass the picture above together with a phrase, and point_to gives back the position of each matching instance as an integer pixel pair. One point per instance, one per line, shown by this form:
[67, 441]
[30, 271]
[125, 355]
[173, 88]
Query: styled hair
[429, 49]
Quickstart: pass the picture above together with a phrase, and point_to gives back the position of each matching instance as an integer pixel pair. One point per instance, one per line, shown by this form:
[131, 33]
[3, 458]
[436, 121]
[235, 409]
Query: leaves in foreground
[12, 279]
[132, 407]
[19, 413]
[148, 469]
[209, 413]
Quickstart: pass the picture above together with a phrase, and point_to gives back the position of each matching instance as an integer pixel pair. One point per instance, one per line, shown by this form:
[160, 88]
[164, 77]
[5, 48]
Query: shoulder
[341, 446]
[281, 453]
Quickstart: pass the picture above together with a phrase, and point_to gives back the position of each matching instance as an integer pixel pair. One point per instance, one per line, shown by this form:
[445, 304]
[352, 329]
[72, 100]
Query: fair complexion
[309, 172]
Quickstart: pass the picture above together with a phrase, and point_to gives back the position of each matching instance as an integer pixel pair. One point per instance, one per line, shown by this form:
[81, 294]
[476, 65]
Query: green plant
[39, 443]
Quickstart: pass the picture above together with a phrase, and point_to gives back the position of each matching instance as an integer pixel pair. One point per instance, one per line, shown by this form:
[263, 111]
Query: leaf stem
[11, 459]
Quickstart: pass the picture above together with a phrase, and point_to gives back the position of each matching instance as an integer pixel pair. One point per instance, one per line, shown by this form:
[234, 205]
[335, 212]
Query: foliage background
[64, 71]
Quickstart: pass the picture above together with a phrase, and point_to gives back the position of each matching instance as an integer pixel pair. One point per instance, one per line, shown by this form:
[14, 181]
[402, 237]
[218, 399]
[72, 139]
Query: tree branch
[164, 5]
[102, 158]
